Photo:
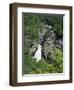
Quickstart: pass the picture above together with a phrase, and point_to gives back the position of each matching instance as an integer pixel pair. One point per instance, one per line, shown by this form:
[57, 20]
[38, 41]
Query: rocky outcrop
[59, 43]
[48, 44]
[47, 39]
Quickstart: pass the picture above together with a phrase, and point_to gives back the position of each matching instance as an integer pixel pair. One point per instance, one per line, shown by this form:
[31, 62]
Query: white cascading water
[37, 55]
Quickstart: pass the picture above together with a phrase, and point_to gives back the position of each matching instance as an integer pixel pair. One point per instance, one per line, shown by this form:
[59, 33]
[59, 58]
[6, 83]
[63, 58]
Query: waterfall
[37, 54]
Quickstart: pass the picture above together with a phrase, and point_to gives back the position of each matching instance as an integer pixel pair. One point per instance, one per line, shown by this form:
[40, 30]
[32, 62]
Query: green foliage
[32, 28]
[58, 30]
[56, 21]
[34, 67]
[58, 64]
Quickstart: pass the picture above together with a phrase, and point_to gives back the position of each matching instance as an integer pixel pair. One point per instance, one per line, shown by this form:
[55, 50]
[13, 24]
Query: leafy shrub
[34, 67]
[58, 64]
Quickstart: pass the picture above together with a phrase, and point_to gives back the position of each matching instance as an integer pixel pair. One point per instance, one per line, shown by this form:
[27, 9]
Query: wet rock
[59, 43]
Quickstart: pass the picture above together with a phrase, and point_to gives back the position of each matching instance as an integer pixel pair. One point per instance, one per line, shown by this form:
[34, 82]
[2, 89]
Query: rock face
[48, 42]
[59, 43]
